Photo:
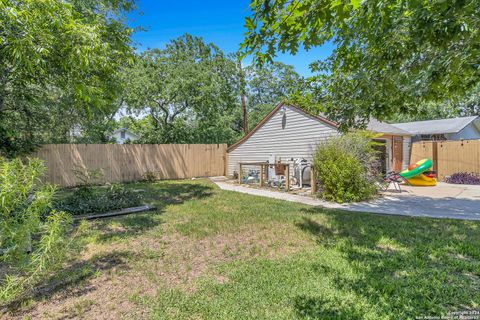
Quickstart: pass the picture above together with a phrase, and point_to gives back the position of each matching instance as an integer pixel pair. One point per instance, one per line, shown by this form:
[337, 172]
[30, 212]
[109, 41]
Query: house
[465, 128]
[288, 132]
[123, 135]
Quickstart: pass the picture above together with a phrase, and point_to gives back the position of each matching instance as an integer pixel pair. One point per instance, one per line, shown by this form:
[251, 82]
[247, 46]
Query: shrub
[87, 199]
[150, 176]
[32, 235]
[347, 167]
[463, 178]
[88, 177]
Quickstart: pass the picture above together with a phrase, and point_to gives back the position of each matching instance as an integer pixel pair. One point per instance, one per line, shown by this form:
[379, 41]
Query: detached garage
[289, 133]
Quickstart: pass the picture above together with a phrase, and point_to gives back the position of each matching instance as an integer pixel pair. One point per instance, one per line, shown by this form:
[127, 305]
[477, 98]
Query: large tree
[188, 90]
[389, 57]
[57, 57]
[268, 85]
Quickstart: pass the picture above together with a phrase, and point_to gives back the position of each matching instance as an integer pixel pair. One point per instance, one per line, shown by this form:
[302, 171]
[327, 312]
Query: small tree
[347, 167]
[32, 235]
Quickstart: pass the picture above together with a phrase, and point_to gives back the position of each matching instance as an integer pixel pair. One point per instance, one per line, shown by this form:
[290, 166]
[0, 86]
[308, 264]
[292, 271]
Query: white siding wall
[128, 136]
[289, 135]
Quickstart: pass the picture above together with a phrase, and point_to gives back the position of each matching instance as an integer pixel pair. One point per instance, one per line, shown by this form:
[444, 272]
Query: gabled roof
[271, 114]
[452, 125]
[373, 125]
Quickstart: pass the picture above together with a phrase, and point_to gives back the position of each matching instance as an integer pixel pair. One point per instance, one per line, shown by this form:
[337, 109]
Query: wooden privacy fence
[130, 162]
[449, 156]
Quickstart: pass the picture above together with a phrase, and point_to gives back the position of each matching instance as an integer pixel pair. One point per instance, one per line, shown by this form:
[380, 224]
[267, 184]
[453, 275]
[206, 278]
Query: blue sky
[220, 22]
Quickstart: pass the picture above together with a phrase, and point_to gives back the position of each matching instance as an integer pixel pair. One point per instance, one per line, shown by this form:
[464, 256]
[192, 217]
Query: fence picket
[123, 163]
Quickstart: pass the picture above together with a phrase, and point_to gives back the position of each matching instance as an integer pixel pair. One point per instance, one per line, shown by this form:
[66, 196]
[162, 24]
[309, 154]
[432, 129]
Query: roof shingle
[452, 125]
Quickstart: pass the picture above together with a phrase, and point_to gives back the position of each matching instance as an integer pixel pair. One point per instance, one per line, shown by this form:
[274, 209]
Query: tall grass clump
[32, 234]
[347, 167]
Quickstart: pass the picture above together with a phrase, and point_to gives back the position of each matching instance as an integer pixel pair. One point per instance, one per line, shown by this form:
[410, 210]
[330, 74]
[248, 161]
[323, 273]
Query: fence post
[287, 183]
[225, 160]
[435, 158]
[262, 170]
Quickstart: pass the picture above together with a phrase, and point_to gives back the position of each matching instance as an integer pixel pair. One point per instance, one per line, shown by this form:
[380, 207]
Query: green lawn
[212, 254]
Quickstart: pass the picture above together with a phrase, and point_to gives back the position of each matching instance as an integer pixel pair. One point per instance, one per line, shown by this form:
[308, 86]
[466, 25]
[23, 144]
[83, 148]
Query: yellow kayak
[422, 180]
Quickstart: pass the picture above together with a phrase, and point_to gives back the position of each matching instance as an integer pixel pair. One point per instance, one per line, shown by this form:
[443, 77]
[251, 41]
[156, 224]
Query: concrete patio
[441, 201]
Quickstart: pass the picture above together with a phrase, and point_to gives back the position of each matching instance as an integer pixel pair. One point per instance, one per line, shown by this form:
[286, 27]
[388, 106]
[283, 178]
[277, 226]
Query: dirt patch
[92, 288]
[109, 277]
[186, 259]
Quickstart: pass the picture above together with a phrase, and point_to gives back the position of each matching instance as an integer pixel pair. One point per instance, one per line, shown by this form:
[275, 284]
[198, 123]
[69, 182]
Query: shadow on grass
[73, 280]
[318, 308]
[323, 234]
[160, 195]
[126, 226]
[401, 267]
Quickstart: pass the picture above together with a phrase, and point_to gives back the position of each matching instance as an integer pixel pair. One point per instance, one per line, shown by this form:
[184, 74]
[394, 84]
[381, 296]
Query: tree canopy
[268, 85]
[189, 91]
[389, 57]
[56, 56]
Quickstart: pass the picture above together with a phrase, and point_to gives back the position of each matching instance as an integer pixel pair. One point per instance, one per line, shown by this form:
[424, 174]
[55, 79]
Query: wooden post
[262, 169]
[225, 162]
[239, 173]
[435, 158]
[287, 174]
[313, 181]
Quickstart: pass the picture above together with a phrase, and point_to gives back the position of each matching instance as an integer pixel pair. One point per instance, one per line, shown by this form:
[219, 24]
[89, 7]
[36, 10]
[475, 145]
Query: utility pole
[245, 116]
[242, 95]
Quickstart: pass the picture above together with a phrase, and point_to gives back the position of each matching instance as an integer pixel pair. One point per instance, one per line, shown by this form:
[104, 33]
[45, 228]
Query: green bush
[32, 235]
[88, 199]
[347, 167]
[150, 176]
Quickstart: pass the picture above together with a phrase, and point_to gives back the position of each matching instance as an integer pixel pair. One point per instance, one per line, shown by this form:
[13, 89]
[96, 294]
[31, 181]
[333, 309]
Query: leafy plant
[347, 168]
[32, 235]
[88, 177]
[87, 199]
[150, 176]
[463, 178]
[389, 57]
[59, 66]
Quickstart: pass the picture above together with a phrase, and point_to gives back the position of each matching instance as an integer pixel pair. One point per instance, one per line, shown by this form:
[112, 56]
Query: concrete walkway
[442, 201]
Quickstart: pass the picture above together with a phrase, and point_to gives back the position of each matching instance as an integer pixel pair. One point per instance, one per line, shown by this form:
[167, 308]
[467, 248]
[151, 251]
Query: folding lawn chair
[393, 178]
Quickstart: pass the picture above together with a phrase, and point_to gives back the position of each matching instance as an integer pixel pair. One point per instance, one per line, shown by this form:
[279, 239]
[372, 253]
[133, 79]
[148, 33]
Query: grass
[212, 254]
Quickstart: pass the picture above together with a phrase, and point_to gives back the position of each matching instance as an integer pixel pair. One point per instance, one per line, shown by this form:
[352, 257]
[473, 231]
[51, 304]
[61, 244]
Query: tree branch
[176, 113]
[162, 107]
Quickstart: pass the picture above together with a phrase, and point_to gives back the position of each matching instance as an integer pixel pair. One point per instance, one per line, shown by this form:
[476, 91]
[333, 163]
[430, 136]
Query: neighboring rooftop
[441, 126]
[126, 130]
[383, 127]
